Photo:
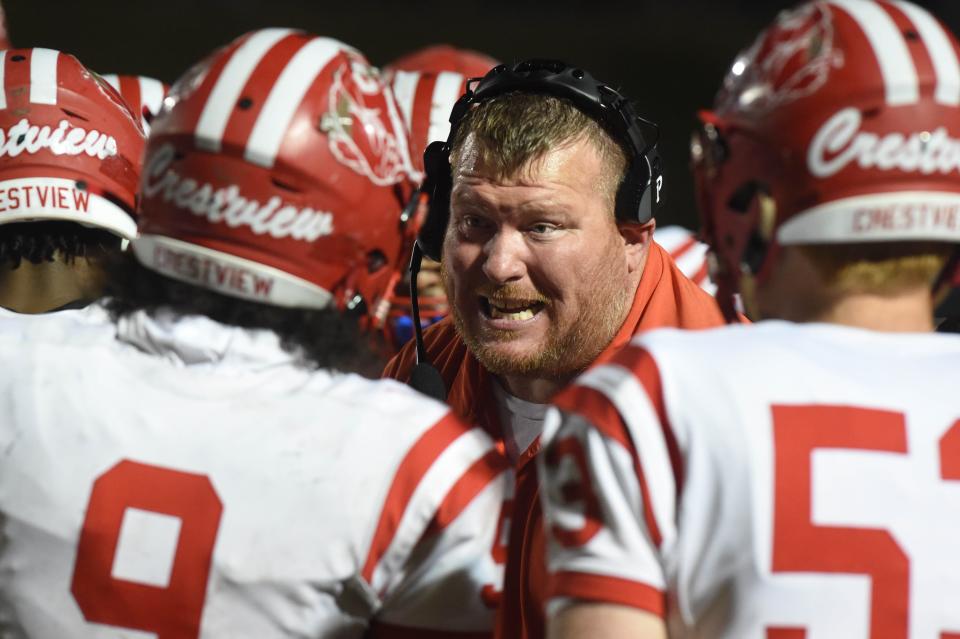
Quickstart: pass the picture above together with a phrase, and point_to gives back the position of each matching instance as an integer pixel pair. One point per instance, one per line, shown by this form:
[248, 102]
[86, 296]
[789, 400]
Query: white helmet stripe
[151, 94]
[223, 98]
[113, 80]
[405, 91]
[396, 121]
[890, 49]
[942, 53]
[285, 98]
[43, 76]
[445, 92]
[3, 82]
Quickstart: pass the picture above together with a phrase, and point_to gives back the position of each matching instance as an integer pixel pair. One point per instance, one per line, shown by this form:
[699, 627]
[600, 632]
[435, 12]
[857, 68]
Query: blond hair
[878, 268]
[512, 132]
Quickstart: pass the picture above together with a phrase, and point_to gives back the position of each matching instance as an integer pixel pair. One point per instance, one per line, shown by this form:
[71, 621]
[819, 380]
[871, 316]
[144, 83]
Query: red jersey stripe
[588, 587]
[414, 466]
[639, 362]
[597, 409]
[701, 275]
[791, 633]
[380, 630]
[594, 406]
[683, 248]
[474, 480]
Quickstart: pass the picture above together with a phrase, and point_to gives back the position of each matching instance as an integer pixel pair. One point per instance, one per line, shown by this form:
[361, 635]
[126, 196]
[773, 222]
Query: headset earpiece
[437, 184]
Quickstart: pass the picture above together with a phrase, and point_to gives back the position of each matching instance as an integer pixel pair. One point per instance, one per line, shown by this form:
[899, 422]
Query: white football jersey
[184, 479]
[775, 481]
[688, 252]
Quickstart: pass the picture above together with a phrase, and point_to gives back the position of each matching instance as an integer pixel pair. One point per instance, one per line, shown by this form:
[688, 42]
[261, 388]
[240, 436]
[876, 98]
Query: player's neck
[907, 312]
[38, 288]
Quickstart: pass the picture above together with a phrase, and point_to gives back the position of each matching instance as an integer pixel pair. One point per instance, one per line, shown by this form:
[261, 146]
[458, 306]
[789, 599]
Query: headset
[639, 196]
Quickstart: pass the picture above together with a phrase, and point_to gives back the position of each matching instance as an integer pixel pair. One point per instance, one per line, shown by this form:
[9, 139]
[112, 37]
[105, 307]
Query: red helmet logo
[361, 126]
[793, 60]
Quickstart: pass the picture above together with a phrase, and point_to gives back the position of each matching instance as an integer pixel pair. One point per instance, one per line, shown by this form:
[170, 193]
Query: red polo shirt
[664, 297]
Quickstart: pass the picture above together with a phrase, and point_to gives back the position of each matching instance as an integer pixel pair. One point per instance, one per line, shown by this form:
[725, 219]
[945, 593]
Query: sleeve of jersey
[609, 475]
[436, 572]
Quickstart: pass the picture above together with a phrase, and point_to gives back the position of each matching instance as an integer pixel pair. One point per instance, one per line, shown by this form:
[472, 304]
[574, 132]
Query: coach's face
[538, 274]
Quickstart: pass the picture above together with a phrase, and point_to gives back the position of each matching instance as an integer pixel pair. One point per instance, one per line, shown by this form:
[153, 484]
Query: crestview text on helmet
[63, 140]
[840, 142]
[226, 205]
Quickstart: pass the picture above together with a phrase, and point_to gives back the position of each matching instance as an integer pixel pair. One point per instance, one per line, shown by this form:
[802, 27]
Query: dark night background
[668, 55]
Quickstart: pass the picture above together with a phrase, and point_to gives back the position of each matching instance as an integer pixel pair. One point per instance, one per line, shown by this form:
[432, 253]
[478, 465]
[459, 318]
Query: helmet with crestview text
[841, 124]
[70, 149]
[277, 172]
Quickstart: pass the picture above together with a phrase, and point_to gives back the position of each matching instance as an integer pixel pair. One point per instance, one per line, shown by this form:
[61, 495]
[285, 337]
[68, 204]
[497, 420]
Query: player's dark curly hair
[324, 338]
[38, 242]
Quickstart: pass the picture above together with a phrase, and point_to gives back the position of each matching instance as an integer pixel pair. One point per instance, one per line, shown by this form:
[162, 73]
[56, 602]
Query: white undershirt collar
[522, 421]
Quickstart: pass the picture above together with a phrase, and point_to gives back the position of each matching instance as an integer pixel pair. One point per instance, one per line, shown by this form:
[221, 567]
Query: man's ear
[637, 238]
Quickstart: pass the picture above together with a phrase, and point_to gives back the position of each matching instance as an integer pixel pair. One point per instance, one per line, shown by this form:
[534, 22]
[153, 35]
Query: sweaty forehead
[473, 193]
[575, 166]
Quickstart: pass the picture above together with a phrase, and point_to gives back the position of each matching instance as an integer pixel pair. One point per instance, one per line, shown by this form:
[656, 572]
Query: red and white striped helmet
[427, 83]
[70, 149]
[277, 172]
[143, 95]
[845, 115]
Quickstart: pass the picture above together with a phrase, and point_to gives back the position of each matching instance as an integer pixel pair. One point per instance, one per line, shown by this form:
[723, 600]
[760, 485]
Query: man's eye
[473, 221]
[543, 229]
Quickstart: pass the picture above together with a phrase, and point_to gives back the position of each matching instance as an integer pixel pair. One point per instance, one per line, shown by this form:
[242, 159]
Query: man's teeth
[523, 314]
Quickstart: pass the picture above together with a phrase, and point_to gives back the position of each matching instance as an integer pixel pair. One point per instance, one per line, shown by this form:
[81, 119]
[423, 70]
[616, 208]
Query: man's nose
[504, 257]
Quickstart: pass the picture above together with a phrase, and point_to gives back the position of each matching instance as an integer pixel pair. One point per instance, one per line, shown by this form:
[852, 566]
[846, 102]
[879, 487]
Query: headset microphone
[424, 377]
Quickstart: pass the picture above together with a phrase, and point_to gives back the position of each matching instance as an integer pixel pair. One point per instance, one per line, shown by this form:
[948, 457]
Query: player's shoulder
[772, 343]
[400, 411]
[672, 342]
[382, 396]
[71, 327]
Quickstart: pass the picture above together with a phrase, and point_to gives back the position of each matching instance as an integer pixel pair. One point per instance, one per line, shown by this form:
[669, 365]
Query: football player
[70, 157]
[796, 478]
[200, 464]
